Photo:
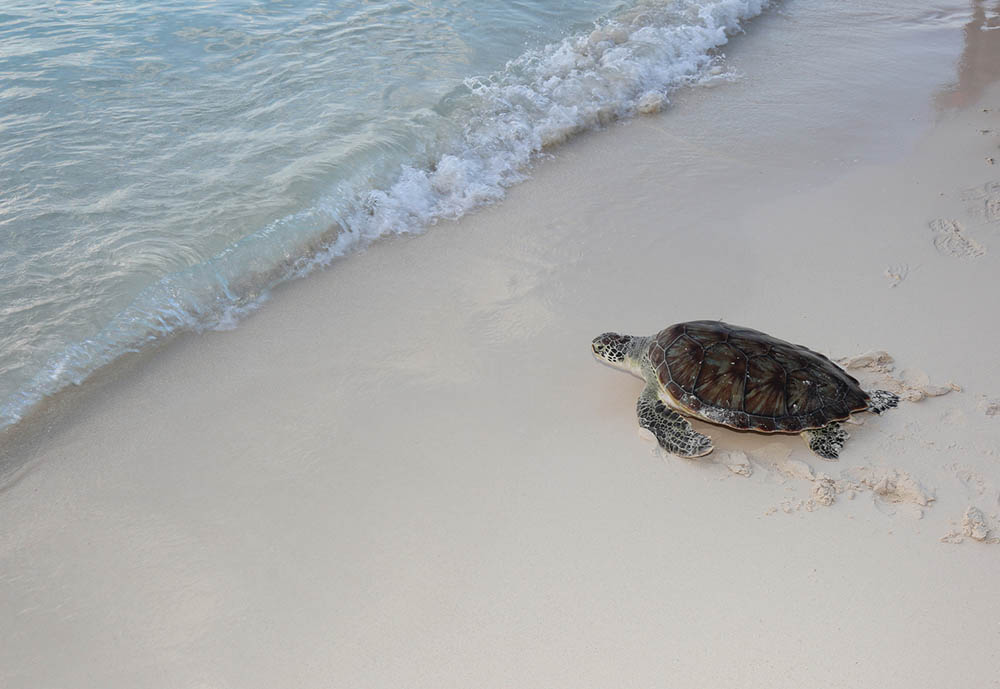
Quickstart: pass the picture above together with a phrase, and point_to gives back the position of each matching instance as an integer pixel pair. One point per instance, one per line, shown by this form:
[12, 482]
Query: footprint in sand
[990, 406]
[950, 239]
[985, 201]
[896, 274]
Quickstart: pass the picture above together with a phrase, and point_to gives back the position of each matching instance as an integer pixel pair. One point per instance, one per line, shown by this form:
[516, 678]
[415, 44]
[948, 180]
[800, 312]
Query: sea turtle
[737, 377]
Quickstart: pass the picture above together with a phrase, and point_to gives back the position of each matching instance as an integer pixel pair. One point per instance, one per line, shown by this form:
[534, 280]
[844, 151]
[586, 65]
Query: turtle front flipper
[827, 441]
[672, 431]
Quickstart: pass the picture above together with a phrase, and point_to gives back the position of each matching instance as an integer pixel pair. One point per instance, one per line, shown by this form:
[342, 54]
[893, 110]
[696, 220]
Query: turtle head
[614, 349]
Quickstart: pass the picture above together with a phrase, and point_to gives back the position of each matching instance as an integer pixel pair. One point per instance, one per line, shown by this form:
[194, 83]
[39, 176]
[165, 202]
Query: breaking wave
[496, 126]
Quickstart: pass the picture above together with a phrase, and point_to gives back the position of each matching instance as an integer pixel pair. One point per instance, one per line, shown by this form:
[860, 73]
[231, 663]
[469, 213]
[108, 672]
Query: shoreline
[318, 252]
[408, 470]
[578, 82]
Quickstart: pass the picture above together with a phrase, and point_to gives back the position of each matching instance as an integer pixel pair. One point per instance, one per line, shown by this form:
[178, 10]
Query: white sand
[408, 471]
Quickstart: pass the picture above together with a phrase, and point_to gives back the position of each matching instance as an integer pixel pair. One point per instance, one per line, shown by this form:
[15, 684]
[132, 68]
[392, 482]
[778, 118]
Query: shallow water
[164, 165]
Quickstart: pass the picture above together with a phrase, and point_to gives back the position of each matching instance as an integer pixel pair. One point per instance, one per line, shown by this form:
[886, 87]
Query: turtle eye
[610, 347]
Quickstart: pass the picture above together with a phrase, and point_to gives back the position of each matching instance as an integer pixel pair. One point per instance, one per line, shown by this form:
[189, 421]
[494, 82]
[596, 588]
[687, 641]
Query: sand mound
[975, 525]
[912, 385]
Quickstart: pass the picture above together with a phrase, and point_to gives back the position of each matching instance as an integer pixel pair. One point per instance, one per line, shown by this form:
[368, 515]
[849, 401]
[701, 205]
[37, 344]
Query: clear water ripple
[163, 165]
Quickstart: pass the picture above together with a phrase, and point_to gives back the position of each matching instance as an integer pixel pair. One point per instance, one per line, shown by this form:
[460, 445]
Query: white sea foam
[504, 121]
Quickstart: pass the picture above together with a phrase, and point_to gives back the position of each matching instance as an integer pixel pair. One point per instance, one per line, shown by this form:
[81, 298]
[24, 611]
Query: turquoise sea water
[164, 164]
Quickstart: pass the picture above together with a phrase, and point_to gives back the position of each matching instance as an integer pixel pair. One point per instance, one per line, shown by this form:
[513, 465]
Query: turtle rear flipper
[673, 432]
[881, 400]
[827, 441]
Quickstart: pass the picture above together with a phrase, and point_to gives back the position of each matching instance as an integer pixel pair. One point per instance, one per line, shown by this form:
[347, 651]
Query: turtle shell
[746, 379]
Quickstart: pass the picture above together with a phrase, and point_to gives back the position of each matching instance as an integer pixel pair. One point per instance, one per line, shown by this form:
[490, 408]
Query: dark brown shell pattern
[746, 379]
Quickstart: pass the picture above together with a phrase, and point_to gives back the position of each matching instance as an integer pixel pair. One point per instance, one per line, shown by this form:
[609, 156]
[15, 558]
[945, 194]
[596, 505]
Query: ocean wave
[502, 122]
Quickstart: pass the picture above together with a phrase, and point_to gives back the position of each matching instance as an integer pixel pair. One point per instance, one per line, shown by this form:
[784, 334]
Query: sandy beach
[408, 470]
